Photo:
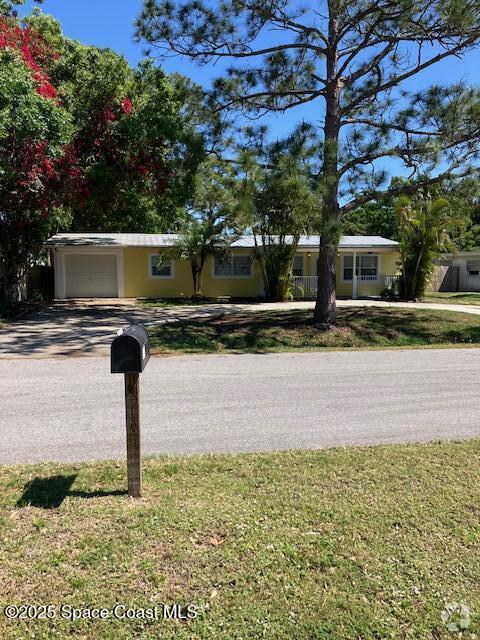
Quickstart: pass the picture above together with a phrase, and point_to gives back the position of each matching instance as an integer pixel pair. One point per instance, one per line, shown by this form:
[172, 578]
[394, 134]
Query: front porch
[362, 286]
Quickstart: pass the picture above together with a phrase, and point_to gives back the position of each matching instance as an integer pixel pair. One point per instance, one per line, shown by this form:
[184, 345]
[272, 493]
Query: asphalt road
[72, 409]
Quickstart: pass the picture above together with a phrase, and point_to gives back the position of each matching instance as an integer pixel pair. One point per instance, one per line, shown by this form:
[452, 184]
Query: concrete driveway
[86, 327]
[73, 408]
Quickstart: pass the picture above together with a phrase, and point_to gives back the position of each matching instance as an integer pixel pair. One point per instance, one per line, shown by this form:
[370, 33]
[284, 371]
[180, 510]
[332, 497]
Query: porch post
[354, 278]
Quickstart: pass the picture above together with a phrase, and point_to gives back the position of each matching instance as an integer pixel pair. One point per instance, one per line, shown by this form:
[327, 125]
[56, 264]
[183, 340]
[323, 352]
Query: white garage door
[91, 275]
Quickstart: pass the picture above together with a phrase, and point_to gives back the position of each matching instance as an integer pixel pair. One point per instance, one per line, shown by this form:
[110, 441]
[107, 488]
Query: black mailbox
[130, 350]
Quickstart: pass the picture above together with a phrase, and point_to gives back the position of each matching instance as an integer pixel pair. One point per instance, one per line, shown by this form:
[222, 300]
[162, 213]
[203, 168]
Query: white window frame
[473, 268]
[149, 266]
[302, 256]
[231, 276]
[345, 280]
[358, 255]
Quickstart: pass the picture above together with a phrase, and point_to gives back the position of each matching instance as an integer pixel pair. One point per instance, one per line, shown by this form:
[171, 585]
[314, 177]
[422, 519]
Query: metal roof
[112, 239]
[460, 254]
[354, 242]
[168, 239]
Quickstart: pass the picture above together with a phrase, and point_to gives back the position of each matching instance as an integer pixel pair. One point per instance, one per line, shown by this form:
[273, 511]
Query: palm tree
[198, 240]
[425, 228]
[209, 217]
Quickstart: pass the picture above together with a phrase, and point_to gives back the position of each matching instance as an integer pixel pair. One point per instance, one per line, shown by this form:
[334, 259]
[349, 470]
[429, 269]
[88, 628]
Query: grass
[181, 302]
[356, 543]
[168, 302]
[453, 297]
[293, 330]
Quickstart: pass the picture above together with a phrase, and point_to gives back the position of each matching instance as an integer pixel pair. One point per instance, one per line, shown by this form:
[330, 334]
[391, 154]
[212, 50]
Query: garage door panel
[91, 276]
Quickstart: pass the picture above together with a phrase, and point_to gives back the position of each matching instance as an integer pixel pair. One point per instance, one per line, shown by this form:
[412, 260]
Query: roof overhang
[159, 241]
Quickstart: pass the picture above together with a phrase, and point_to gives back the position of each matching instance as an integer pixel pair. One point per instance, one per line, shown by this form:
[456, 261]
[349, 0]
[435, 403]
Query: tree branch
[250, 98]
[408, 74]
[217, 51]
[364, 69]
[368, 158]
[408, 188]
[388, 125]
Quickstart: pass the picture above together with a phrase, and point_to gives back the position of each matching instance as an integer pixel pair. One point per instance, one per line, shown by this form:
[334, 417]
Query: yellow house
[137, 265]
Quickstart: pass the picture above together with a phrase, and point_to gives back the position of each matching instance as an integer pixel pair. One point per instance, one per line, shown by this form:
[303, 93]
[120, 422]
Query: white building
[458, 272]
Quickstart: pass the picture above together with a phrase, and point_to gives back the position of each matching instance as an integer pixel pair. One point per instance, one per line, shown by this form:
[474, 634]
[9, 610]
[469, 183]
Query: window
[160, 266]
[297, 267]
[233, 266]
[473, 267]
[348, 267]
[367, 267]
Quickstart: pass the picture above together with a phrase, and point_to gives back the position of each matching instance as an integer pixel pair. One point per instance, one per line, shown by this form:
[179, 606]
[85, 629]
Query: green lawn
[179, 302]
[453, 298]
[293, 330]
[341, 544]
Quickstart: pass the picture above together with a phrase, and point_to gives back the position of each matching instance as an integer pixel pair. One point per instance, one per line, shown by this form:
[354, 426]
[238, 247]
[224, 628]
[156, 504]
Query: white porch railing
[367, 286]
[305, 287]
[390, 280]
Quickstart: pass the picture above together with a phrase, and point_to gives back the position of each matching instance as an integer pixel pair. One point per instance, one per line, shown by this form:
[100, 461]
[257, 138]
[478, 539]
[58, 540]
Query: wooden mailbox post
[129, 355]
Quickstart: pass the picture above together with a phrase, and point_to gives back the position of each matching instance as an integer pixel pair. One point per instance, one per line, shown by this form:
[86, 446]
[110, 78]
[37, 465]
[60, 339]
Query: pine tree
[353, 58]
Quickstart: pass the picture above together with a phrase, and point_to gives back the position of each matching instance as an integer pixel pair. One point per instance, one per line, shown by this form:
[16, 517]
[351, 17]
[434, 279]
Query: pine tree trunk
[325, 315]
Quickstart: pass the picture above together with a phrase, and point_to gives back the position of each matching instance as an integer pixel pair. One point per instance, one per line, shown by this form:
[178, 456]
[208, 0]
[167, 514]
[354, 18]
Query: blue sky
[110, 23]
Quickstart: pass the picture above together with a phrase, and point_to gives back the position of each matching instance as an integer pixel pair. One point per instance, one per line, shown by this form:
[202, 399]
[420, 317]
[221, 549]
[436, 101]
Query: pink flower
[109, 115]
[127, 106]
[46, 90]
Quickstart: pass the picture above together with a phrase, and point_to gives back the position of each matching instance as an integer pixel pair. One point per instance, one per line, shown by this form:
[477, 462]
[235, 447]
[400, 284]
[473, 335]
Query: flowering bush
[127, 106]
[34, 50]
[86, 143]
[63, 175]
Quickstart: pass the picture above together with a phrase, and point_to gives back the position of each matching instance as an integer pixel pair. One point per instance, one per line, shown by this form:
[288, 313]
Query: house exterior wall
[467, 282]
[134, 278]
[457, 272]
[388, 265]
[138, 283]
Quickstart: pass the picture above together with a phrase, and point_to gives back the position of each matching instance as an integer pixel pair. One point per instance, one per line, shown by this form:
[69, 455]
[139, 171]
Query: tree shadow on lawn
[403, 327]
[357, 327]
[49, 493]
[231, 332]
[474, 295]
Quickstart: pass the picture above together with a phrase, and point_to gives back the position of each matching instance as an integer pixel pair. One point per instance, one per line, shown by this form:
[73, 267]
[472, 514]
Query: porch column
[354, 277]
